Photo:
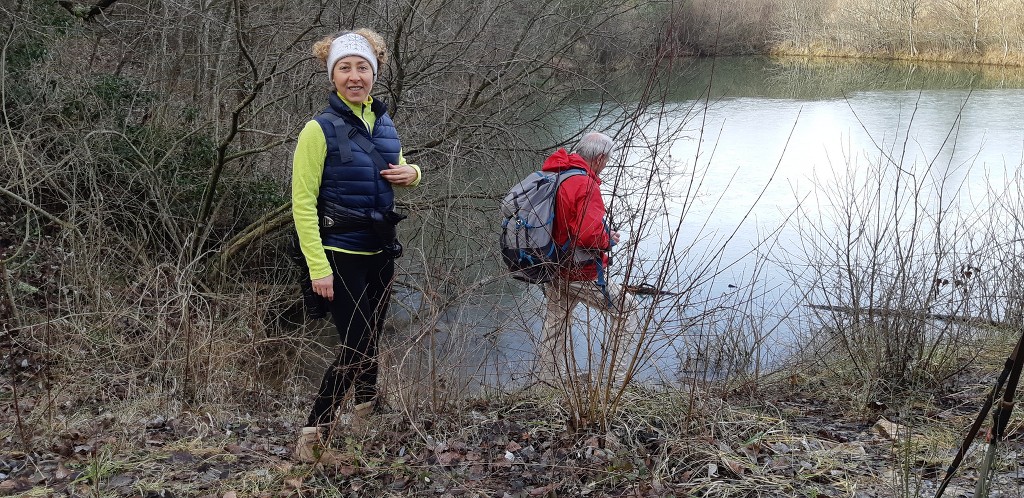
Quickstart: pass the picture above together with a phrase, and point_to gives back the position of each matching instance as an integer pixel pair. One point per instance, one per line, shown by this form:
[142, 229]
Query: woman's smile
[353, 78]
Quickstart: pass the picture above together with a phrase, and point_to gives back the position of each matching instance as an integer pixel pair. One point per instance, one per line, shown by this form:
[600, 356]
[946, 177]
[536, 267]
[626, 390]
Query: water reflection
[827, 78]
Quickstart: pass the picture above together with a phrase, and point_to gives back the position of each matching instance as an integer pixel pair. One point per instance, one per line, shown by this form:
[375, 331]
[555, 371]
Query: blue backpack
[528, 218]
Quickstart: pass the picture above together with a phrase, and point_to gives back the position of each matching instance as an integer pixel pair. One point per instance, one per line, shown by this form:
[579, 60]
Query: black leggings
[362, 292]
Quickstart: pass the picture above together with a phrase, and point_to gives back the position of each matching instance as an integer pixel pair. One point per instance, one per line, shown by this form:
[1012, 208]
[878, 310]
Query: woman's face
[353, 78]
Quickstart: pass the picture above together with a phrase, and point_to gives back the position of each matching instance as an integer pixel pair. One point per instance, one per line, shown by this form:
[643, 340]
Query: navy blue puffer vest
[351, 182]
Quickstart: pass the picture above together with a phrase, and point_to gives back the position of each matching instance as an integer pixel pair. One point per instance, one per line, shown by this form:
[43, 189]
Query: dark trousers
[362, 292]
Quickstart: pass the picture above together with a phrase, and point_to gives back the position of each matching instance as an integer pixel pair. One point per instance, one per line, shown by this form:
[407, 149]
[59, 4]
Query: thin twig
[40, 210]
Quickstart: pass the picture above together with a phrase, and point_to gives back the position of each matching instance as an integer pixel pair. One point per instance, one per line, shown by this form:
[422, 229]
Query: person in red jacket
[581, 227]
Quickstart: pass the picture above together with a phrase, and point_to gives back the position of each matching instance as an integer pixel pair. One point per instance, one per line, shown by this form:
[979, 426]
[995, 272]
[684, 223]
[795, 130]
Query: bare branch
[42, 212]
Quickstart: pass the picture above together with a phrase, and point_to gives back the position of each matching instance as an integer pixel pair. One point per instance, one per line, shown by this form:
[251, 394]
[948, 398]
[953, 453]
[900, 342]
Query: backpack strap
[562, 176]
[341, 133]
[346, 132]
[601, 281]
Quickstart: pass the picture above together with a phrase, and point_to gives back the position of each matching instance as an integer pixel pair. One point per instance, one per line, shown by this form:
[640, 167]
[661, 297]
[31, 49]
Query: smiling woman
[347, 159]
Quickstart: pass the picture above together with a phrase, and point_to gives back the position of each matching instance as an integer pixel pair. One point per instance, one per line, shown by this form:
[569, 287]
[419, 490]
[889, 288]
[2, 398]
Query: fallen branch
[39, 210]
[645, 289]
[269, 223]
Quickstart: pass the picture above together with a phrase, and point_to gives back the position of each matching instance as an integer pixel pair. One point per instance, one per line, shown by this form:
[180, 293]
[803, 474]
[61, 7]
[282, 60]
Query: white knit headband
[350, 44]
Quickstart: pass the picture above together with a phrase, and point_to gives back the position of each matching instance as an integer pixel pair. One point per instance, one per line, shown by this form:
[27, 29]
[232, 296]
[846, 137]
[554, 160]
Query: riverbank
[1008, 60]
[792, 437]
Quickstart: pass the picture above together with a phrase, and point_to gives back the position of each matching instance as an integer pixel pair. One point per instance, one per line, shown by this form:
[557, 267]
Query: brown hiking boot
[360, 413]
[310, 448]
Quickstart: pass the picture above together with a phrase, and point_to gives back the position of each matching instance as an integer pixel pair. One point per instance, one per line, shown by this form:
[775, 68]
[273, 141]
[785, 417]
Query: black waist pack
[382, 224]
[385, 225]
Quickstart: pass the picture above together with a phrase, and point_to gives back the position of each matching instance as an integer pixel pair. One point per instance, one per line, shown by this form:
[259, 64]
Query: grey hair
[594, 144]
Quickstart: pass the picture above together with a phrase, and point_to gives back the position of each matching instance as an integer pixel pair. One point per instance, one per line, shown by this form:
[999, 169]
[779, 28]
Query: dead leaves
[466, 452]
[449, 458]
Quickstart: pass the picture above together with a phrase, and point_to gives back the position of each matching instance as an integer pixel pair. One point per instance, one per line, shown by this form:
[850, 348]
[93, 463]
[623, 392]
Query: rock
[528, 453]
[712, 470]
[120, 482]
[155, 423]
[181, 457]
[891, 430]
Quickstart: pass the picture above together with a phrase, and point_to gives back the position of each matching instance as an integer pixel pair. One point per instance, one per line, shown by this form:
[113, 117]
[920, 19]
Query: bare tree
[964, 20]
[800, 23]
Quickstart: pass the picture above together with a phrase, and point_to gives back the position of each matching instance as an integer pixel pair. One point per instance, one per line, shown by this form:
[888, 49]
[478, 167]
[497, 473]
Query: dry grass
[661, 443]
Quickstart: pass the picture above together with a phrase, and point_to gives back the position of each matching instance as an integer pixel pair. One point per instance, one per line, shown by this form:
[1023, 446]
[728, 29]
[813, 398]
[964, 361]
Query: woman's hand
[403, 175]
[325, 287]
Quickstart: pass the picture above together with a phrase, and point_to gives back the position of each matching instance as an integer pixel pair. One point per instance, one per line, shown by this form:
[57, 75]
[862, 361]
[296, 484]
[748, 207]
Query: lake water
[709, 194]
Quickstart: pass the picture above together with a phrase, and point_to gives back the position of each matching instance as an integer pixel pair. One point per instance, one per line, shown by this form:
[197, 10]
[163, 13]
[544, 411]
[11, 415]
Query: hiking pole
[1000, 417]
[1009, 367]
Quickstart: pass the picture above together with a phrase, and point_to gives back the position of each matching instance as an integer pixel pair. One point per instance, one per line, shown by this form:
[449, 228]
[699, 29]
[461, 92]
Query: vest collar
[339, 105]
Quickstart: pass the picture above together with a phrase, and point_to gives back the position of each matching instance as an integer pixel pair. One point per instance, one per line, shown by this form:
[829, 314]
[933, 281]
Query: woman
[346, 161]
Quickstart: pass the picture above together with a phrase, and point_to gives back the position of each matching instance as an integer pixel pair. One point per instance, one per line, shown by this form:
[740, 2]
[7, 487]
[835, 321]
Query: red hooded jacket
[579, 213]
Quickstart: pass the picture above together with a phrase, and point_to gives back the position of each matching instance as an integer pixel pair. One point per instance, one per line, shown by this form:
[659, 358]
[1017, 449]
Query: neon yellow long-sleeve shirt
[307, 172]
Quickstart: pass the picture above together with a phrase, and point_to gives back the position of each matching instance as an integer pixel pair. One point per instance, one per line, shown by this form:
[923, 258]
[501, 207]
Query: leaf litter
[661, 443]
